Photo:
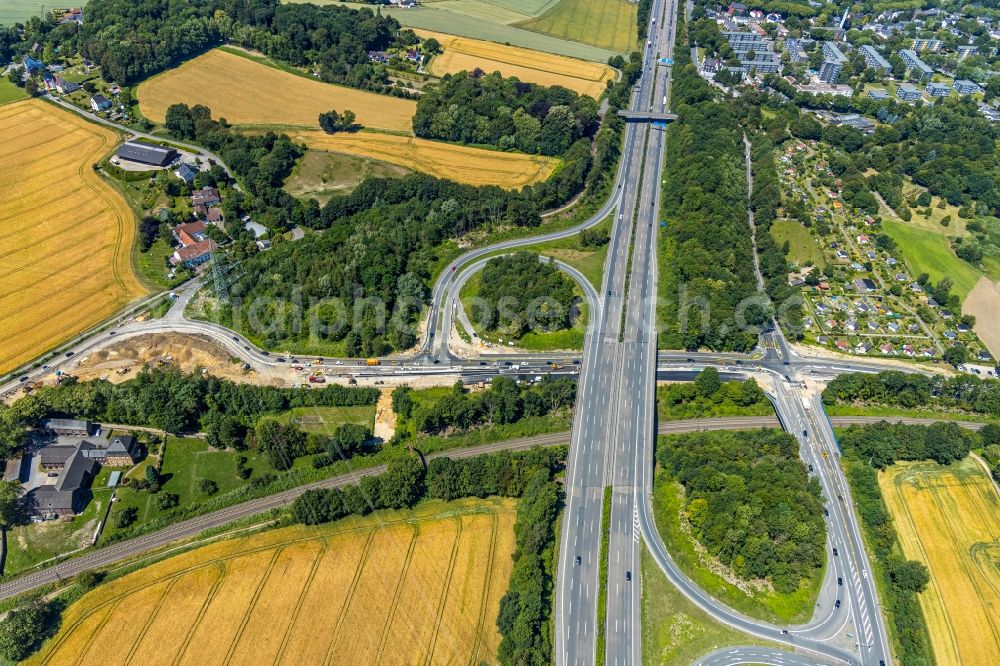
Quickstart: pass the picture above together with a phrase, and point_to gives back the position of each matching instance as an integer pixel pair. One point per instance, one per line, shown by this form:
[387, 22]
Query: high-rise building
[833, 62]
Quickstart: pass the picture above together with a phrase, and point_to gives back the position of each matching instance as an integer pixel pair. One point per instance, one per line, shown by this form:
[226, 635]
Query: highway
[615, 399]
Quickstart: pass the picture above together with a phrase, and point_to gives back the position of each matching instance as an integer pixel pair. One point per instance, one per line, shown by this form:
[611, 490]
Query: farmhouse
[68, 427]
[100, 103]
[195, 245]
[145, 154]
[77, 463]
[206, 196]
[65, 497]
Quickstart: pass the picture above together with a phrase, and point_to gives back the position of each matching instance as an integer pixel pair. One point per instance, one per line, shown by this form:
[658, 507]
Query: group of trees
[899, 389]
[706, 253]
[25, 627]
[283, 443]
[750, 502]
[132, 40]
[505, 401]
[176, 402]
[882, 444]
[333, 121]
[524, 294]
[477, 108]
[708, 396]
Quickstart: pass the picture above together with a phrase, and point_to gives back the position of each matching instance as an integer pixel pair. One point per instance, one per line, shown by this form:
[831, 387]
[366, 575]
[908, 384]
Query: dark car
[112, 332]
[840, 581]
[265, 353]
[23, 378]
[840, 497]
[578, 559]
[68, 354]
[805, 433]
[836, 604]
[628, 575]
[835, 552]
[826, 512]
[810, 468]
[236, 338]
[280, 359]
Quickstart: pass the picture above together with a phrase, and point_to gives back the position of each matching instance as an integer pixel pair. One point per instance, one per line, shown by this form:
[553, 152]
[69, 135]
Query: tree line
[505, 401]
[524, 294]
[910, 390]
[172, 401]
[866, 450]
[750, 502]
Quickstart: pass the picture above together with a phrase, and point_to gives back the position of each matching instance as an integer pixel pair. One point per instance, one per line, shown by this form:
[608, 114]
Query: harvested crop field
[983, 302]
[420, 586]
[462, 53]
[246, 92]
[475, 166]
[65, 235]
[949, 519]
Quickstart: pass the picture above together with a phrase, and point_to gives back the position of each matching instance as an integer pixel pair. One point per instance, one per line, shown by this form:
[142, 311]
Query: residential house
[711, 66]
[214, 215]
[909, 350]
[185, 173]
[984, 355]
[842, 345]
[833, 62]
[878, 94]
[378, 56]
[908, 93]
[893, 327]
[931, 45]
[737, 9]
[31, 65]
[946, 314]
[796, 53]
[865, 285]
[950, 335]
[863, 239]
[874, 59]
[862, 348]
[991, 113]
[914, 63]
[195, 245]
[962, 328]
[965, 51]
[142, 153]
[100, 103]
[206, 196]
[915, 287]
[966, 87]
[937, 90]
[887, 348]
[65, 87]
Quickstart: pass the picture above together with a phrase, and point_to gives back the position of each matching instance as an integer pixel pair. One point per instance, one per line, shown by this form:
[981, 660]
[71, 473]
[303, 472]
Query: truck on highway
[373, 361]
[664, 101]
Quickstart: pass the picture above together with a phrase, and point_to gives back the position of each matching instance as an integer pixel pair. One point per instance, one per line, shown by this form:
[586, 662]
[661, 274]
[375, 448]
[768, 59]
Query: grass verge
[602, 584]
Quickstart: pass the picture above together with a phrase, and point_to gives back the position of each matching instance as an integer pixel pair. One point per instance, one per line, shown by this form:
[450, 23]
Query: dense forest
[505, 401]
[477, 108]
[132, 40]
[525, 610]
[523, 294]
[750, 502]
[899, 389]
[882, 444]
[706, 255]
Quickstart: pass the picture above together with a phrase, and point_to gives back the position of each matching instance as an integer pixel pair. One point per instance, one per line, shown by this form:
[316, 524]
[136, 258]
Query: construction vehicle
[373, 361]
[317, 379]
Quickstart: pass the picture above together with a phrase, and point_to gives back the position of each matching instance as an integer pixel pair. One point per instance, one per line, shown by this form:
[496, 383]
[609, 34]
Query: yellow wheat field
[245, 92]
[547, 69]
[949, 519]
[65, 235]
[474, 166]
[393, 588]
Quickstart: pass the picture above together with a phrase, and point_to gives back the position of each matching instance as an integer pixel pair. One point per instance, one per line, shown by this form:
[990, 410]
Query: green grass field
[674, 630]
[322, 175]
[486, 20]
[766, 605]
[325, 420]
[186, 462]
[8, 91]
[802, 246]
[607, 24]
[928, 252]
[19, 11]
